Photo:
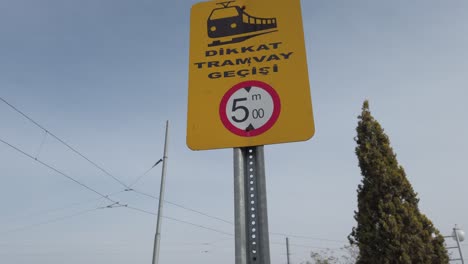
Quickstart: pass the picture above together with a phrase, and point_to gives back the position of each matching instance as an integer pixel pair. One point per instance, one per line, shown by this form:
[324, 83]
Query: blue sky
[105, 76]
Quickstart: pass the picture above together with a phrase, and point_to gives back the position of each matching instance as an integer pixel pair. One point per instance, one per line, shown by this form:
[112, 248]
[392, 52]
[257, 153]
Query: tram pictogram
[228, 21]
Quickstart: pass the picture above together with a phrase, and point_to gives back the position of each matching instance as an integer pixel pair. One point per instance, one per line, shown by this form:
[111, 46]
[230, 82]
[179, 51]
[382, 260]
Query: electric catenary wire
[307, 237]
[42, 144]
[64, 143]
[183, 207]
[180, 221]
[304, 246]
[144, 174]
[110, 206]
[148, 195]
[49, 221]
[53, 210]
[57, 219]
[127, 187]
[231, 223]
[57, 171]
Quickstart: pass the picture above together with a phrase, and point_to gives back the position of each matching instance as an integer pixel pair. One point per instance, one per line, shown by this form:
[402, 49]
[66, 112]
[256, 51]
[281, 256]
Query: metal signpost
[250, 207]
[248, 87]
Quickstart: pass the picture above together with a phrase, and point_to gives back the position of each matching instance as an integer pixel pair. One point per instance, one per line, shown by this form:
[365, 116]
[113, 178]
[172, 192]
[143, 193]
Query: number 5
[236, 107]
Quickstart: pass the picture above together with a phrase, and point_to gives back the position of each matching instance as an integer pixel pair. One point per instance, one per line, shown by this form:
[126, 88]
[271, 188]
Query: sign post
[248, 87]
[252, 244]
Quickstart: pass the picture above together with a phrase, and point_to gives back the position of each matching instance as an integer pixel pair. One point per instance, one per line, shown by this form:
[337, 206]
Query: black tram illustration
[228, 21]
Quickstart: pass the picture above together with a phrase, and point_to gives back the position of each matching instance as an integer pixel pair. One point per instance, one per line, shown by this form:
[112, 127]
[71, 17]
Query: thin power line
[128, 187]
[57, 219]
[64, 143]
[181, 221]
[153, 197]
[146, 172]
[42, 144]
[57, 171]
[307, 237]
[303, 246]
[70, 205]
[184, 207]
[114, 205]
[49, 221]
[231, 223]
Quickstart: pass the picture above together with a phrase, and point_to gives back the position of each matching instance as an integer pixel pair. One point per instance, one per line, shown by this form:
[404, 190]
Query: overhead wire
[42, 144]
[304, 246]
[57, 171]
[64, 143]
[48, 211]
[113, 205]
[231, 223]
[48, 221]
[307, 237]
[180, 221]
[272, 243]
[57, 219]
[144, 174]
[151, 196]
[184, 207]
[127, 187]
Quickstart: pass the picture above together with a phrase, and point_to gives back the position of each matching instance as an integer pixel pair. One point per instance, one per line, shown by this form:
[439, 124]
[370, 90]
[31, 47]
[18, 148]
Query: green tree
[390, 228]
[345, 255]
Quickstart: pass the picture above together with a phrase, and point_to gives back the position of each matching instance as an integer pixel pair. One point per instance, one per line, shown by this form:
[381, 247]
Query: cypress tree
[390, 228]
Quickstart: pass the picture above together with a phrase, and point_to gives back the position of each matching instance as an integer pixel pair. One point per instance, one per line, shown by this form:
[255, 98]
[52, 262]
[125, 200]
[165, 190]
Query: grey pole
[287, 249]
[252, 244]
[157, 237]
[455, 229]
[239, 207]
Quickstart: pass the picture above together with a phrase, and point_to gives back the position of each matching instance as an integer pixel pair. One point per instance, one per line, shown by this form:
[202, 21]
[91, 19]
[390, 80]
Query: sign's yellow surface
[248, 75]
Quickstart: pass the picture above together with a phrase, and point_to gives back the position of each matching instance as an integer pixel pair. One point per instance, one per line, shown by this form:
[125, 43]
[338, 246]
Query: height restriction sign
[249, 108]
[248, 76]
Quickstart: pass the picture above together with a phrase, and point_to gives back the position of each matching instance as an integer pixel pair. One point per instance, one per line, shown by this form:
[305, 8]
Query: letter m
[256, 97]
[242, 61]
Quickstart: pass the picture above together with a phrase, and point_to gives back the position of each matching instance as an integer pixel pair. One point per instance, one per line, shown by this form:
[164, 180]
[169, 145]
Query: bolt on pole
[252, 244]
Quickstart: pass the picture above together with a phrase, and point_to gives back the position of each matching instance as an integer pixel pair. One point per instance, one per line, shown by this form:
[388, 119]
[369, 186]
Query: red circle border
[274, 117]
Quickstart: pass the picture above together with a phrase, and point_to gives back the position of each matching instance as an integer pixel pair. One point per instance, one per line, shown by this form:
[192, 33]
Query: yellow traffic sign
[248, 75]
